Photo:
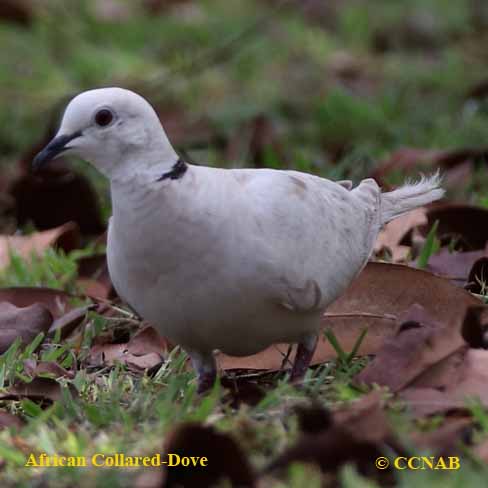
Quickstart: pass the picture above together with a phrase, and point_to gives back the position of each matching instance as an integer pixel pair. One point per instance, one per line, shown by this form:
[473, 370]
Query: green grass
[280, 65]
[114, 410]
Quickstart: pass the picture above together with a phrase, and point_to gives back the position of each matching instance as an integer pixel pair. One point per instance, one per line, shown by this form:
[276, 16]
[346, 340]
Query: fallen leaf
[25, 323]
[68, 322]
[473, 377]
[147, 340]
[455, 266]
[143, 362]
[395, 231]
[66, 237]
[443, 373]
[56, 301]
[38, 389]
[374, 301]
[419, 343]
[35, 368]
[94, 278]
[466, 224]
[144, 351]
[192, 439]
[469, 383]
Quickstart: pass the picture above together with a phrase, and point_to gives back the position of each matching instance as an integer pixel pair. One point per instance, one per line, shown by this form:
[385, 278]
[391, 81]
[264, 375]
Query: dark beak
[53, 149]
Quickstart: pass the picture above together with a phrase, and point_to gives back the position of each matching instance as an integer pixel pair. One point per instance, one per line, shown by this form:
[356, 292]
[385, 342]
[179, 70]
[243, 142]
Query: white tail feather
[410, 196]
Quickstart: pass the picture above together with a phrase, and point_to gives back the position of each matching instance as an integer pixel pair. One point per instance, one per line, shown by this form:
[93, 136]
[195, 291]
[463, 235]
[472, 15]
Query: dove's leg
[303, 356]
[206, 369]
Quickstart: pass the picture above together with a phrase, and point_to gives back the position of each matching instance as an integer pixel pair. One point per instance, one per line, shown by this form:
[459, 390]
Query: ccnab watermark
[416, 463]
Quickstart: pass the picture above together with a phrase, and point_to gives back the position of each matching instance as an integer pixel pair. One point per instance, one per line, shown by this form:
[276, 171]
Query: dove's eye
[104, 117]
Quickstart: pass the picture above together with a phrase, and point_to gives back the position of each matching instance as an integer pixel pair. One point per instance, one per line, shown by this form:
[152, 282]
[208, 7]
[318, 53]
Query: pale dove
[223, 259]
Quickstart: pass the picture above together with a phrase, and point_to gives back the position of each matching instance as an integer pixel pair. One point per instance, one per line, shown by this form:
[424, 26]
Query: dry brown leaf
[469, 383]
[25, 323]
[94, 278]
[374, 300]
[420, 343]
[38, 389]
[35, 368]
[450, 370]
[395, 231]
[455, 266]
[56, 301]
[473, 377]
[66, 236]
[145, 341]
[442, 373]
[466, 224]
[69, 321]
[144, 351]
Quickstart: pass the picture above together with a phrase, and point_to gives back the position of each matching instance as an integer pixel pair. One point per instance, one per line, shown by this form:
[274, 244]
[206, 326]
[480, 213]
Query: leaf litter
[417, 349]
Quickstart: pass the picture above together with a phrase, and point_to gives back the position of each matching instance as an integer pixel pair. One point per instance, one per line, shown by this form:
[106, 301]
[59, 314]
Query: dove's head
[114, 129]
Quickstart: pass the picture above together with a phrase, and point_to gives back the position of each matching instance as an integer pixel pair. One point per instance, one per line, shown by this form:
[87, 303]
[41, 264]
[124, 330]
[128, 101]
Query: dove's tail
[410, 196]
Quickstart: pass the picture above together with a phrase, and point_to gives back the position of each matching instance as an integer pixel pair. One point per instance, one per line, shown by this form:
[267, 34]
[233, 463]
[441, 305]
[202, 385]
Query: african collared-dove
[218, 259]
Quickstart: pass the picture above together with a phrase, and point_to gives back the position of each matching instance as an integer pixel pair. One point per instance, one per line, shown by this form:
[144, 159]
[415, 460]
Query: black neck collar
[177, 171]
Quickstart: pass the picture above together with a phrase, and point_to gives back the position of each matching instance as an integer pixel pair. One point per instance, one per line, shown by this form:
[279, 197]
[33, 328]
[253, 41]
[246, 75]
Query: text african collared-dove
[233, 260]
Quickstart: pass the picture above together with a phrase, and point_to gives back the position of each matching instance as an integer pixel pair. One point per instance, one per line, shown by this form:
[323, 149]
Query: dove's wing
[347, 184]
[314, 234]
